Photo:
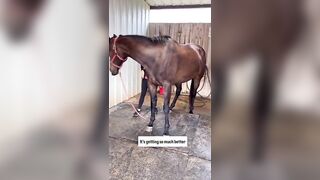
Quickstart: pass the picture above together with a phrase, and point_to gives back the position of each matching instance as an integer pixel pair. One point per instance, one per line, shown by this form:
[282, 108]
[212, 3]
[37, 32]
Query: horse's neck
[137, 52]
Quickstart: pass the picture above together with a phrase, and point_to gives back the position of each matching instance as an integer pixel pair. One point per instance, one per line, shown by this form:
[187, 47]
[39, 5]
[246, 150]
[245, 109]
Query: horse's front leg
[167, 95]
[153, 96]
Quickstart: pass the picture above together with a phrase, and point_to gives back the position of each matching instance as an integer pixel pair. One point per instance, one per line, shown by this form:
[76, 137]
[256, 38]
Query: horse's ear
[114, 35]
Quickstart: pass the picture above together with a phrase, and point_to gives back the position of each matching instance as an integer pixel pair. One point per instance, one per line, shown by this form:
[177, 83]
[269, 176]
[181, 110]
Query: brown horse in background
[166, 62]
[267, 28]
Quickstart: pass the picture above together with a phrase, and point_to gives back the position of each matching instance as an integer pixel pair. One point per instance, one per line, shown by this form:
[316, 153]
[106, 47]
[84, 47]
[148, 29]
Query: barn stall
[127, 159]
[132, 17]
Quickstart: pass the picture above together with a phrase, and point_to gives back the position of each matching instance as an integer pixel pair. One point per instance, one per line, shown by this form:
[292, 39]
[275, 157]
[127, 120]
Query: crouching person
[144, 88]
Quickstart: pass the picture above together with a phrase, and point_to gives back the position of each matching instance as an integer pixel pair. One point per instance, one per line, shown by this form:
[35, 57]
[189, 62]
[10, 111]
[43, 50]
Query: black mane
[153, 40]
[160, 39]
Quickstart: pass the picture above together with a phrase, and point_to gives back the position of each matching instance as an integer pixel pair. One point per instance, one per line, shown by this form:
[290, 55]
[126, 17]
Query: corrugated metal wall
[127, 17]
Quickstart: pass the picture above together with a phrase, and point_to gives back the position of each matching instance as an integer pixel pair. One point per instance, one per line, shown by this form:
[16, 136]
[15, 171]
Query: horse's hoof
[166, 134]
[149, 128]
[190, 112]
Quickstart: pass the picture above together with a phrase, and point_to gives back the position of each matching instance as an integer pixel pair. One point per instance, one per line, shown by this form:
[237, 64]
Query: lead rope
[125, 89]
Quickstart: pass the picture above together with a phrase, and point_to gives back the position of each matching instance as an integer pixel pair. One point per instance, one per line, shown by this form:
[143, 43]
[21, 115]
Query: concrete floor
[128, 161]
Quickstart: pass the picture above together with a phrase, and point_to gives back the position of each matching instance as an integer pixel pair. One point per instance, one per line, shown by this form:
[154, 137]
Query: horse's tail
[205, 77]
[203, 55]
[204, 61]
[206, 73]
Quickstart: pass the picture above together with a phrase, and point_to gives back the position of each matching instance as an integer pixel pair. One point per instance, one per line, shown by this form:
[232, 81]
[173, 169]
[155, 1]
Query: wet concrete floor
[128, 161]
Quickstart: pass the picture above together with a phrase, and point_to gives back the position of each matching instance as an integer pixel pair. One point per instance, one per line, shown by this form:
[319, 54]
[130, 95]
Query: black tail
[206, 76]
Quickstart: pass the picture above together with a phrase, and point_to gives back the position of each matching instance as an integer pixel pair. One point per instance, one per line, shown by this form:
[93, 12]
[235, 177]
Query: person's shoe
[135, 114]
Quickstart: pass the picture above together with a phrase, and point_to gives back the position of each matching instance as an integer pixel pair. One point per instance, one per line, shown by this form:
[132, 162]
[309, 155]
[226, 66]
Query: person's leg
[144, 88]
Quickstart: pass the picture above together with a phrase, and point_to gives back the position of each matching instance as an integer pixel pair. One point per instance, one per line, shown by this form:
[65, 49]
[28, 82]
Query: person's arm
[143, 73]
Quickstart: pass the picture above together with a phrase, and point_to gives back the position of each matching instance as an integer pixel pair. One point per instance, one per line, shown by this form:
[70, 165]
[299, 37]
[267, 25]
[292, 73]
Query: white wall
[186, 15]
[127, 17]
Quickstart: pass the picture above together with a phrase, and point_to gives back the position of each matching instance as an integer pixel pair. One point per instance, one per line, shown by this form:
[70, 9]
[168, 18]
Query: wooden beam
[182, 6]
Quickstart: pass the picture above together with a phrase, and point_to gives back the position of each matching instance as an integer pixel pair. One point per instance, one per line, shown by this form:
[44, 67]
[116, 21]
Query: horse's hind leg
[193, 92]
[152, 91]
[178, 91]
[167, 95]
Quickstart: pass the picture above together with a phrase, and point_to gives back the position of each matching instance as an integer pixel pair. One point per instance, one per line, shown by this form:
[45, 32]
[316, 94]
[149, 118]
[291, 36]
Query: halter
[113, 64]
[116, 55]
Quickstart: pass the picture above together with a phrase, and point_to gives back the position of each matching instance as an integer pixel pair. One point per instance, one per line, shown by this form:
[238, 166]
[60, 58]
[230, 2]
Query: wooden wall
[197, 33]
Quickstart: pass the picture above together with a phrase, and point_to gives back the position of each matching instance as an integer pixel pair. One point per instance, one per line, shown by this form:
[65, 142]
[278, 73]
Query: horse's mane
[160, 39]
[154, 40]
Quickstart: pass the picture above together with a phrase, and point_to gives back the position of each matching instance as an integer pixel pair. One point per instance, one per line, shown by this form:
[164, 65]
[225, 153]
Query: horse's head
[117, 57]
[19, 15]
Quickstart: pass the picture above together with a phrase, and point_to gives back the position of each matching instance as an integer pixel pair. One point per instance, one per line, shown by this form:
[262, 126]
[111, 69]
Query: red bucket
[161, 90]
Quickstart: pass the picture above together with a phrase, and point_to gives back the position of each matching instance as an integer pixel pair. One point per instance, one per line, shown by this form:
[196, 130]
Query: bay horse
[166, 62]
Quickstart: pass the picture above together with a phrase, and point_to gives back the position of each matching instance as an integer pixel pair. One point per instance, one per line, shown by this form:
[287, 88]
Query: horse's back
[196, 48]
[191, 58]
